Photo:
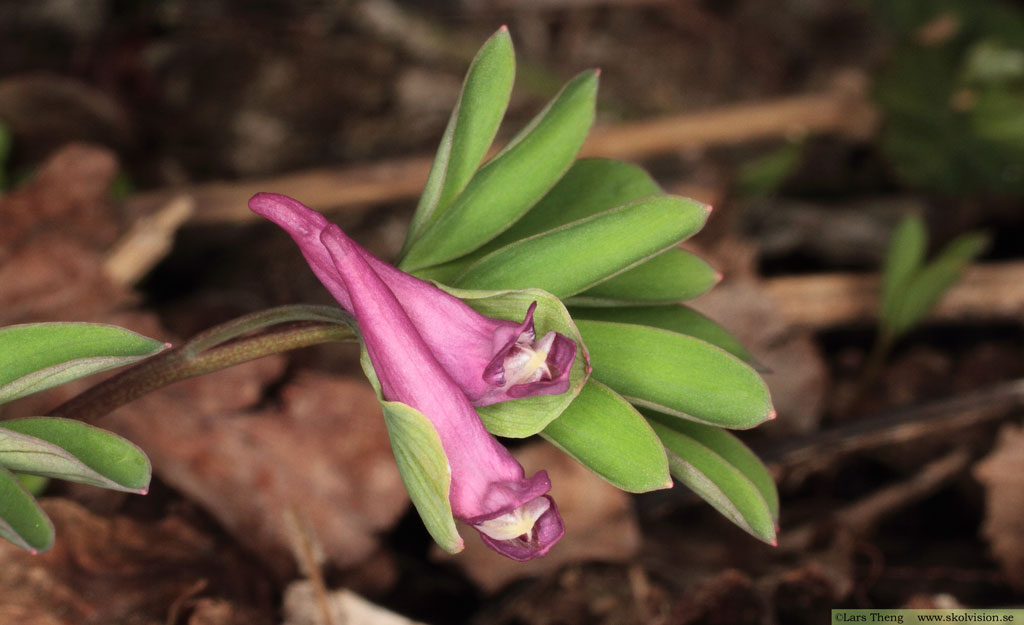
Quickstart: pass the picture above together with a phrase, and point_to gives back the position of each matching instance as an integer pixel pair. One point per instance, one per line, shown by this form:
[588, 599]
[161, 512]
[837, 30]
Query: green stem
[262, 319]
[212, 350]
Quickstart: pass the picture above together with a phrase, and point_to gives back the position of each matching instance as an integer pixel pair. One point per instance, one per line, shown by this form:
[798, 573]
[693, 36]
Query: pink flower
[489, 489]
[491, 360]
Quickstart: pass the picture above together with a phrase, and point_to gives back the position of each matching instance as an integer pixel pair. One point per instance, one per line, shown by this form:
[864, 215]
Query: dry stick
[310, 558]
[843, 109]
[989, 291]
[861, 515]
[147, 242]
[817, 451]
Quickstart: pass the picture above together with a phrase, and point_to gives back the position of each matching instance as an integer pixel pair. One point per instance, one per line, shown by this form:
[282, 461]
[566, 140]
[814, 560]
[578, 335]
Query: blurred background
[132, 134]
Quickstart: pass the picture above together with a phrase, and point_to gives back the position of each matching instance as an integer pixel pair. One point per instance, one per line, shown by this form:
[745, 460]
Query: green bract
[424, 470]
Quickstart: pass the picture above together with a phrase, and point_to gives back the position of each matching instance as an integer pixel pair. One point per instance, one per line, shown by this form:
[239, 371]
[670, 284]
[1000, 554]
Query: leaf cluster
[910, 287]
[597, 239]
[35, 357]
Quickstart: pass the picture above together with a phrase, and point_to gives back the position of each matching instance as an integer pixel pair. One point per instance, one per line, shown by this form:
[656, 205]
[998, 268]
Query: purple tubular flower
[491, 360]
[489, 489]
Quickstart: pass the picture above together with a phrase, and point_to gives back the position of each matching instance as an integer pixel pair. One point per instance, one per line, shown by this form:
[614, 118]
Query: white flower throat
[516, 524]
[528, 361]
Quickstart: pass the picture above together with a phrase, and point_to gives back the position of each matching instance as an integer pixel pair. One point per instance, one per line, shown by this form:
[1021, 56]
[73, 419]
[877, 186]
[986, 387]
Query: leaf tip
[503, 28]
[772, 415]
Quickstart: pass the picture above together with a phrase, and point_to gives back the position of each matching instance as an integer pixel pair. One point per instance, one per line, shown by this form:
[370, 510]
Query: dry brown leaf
[1002, 474]
[323, 456]
[118, 570]
[69, 194]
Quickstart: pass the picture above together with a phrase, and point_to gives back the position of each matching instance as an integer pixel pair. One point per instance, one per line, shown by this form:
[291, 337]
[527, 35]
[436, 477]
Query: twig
[989, 291]
[148, 241]
[816, 451]
[844, 109]
[310, 559]
[860, 516]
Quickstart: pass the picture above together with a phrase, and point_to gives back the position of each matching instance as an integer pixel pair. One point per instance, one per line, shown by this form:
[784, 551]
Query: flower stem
[211, 350]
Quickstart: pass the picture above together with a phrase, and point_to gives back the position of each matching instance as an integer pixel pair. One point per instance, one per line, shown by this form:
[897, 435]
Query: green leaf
[672, 276]
[677, 318]
[470, 131]
[731, 450]
[906, 254]
[71, 450]
[22, 521]
[37, 356]
[718, 480]
[513, 181]
[528, 416]
[608, 436]
[591, 186]
[574, 257]
[931, 283]
[676, 374]
[424, 470]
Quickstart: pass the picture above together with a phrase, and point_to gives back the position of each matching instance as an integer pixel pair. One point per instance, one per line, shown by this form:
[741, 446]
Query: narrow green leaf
[471, 129]
[927, 287]
[424, 470]
[71, 450]
[513, 181]
[38, 356]
[731, 449]
[22, 521]
[528, 416]
[608, 436]
[574, 257]
[672, 276]
[676, 374]
[718, 481]
[906, 254]
[591, 186]
[677, 318]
